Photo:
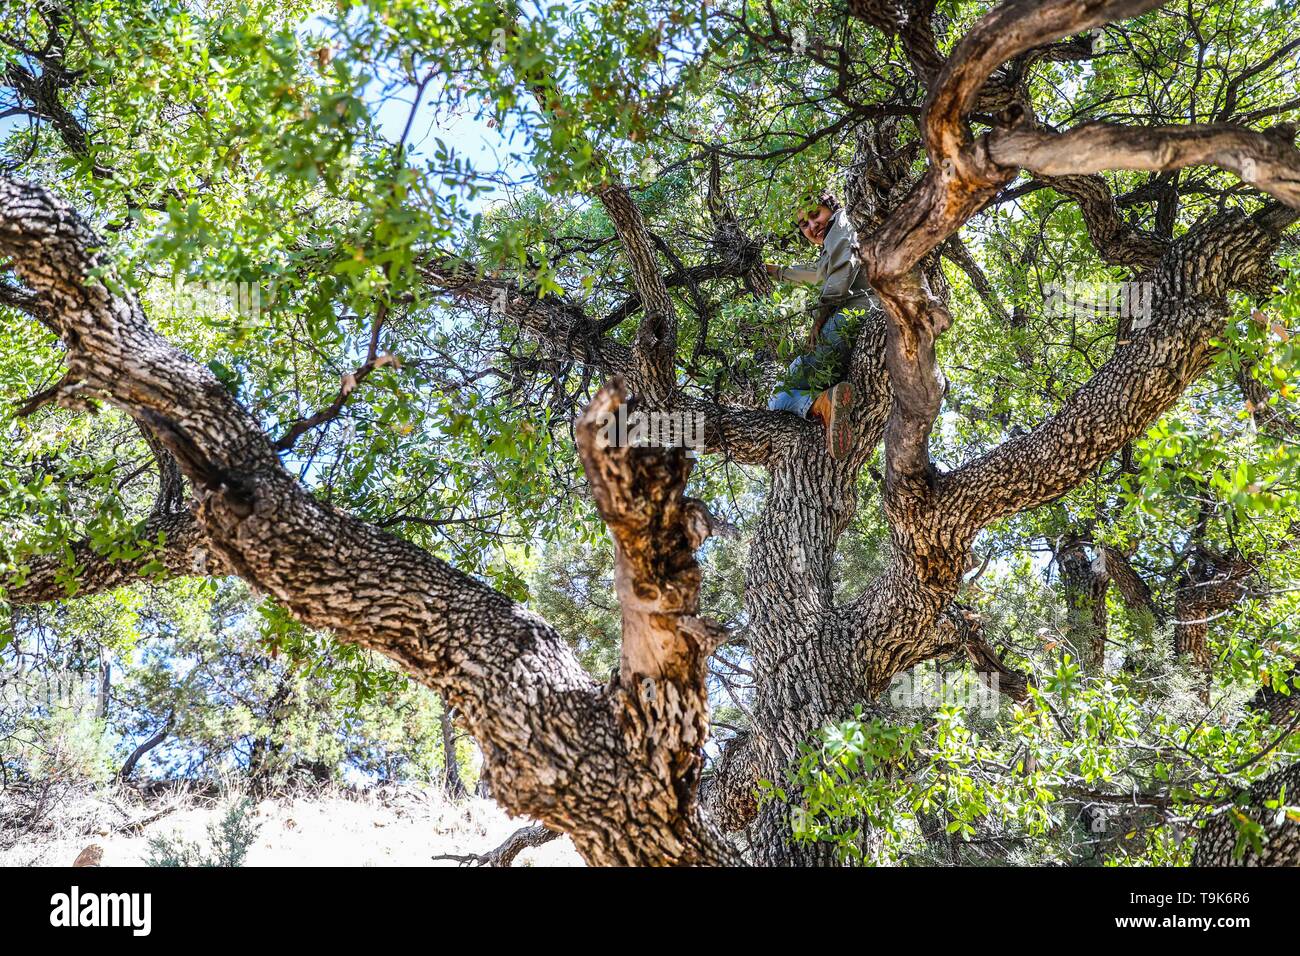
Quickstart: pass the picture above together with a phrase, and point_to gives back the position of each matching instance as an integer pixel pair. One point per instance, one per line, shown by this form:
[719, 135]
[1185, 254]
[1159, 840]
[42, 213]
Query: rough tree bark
[1084, 581]
[504, 855]
[1280, 836]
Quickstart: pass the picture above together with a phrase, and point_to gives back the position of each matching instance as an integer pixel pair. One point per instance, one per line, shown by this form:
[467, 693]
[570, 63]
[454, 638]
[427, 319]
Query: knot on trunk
[639, 490]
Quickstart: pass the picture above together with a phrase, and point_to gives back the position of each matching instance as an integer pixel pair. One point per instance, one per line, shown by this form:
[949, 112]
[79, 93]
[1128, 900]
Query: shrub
[228, 842]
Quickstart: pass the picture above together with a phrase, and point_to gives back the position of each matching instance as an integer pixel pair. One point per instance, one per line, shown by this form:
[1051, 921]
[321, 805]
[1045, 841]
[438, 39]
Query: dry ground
[331, 826]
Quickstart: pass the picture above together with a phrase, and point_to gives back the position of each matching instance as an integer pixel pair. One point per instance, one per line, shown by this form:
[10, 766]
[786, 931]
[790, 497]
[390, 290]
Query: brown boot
[832, 408]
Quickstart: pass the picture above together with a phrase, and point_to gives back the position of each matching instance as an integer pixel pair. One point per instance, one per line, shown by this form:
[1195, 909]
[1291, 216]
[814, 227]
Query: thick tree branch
[727, 792]
[656, 531]
[913, 24]
[1135, 592]
[1267, 162]
[1085, 582]
[917, 318]
[1210, 585]
[655, 346]
[1281, 708]
[933, 517]
[1140, 381]
[1010, 29]
[184, 551]
[961, 179]
[1117, 242]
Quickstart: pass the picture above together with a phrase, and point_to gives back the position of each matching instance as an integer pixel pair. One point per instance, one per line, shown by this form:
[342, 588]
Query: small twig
[65, 385]
[347, 385]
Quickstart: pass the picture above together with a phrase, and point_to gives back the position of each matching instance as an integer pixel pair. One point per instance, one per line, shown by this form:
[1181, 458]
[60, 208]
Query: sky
[486, 149]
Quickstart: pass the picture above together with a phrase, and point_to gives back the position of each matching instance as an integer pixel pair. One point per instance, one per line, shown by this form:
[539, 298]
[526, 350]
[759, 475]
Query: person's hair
[812, 201]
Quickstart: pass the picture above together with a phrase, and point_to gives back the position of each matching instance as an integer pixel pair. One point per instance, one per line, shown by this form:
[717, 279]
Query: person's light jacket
[838, 270]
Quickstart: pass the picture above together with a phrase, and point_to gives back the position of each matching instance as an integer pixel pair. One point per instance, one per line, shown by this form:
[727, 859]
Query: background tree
[198, 693]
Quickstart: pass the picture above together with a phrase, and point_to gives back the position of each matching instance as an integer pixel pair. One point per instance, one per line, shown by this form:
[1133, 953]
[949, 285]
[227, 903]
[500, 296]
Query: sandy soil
[393, 827]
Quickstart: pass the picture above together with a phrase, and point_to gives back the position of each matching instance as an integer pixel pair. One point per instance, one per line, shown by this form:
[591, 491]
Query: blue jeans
[797, 395]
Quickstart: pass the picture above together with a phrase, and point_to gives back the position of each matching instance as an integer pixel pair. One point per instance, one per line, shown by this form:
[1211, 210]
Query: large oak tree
[262, 147]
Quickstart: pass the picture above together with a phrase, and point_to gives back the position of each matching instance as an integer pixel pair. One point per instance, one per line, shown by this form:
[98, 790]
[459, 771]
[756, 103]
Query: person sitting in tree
[844, 294]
